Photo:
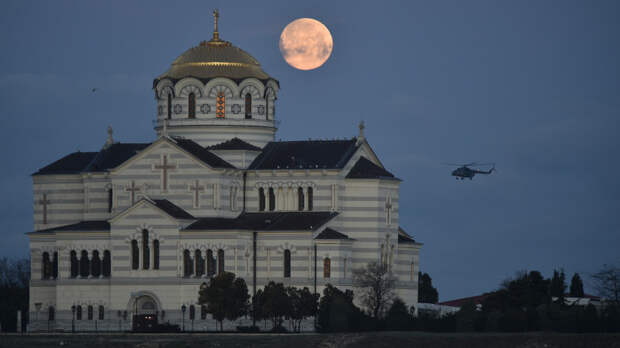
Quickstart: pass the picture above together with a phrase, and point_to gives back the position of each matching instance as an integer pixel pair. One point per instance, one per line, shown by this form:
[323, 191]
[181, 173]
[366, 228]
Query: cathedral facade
[134, 229]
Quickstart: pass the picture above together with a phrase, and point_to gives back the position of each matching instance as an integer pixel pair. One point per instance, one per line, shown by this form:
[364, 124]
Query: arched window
[287, 263]
[272, 199]
[220, 261]
[135, 255]
[156, 254]
[210, 263]
[55, 265]
[327, 267]
[95, 264]
[220, 108]
[261, 199]
[203, 312]
[101, 313]
[169, 105]
[110, 196]
[248, 106]
[187, 263]
[200, 263]
[300, 198]
[46, 266]
[84, 264]
[309, 198]
[146, 257]
[192, 312]
[107, 264]
[78, 312]
[191, 102]
[51, 313]
[75, 267]
[90, 312]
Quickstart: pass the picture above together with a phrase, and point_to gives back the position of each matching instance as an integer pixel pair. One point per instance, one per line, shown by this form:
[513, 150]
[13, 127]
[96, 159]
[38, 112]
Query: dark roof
[70, 164]
[113, 156]
[266, 221]
[234, 144]
[365, 169]
[172, 209]
[96, 225]
[329, 154]
[462, 301]
[329, 233]
[201, 153]
[404, 237]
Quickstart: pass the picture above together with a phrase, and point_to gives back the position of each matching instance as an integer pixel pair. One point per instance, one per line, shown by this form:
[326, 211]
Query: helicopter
[464, 170]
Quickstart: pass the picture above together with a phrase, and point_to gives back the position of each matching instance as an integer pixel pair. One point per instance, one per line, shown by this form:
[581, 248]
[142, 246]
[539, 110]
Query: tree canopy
[225, 297]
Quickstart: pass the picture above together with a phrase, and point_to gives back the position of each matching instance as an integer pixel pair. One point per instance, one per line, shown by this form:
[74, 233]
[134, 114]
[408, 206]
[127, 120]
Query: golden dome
[215, 58]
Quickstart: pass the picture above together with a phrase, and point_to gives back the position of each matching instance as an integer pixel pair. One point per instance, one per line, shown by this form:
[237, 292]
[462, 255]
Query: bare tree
[376, 287]
[607, 282]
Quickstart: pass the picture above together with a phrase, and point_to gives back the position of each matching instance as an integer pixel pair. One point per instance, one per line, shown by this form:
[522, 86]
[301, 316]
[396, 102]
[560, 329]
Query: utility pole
[254, 236]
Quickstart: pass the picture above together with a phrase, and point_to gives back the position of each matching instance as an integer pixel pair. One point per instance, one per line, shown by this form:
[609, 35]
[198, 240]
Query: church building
[133, 230]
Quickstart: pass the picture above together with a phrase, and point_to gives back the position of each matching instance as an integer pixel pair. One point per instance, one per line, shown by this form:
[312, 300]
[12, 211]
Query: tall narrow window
[107, 264]
[101, 313]
[327, 267]
[200, 263]
[300, 199]
[192, 312]
[156, 254]
[272, 199]
[220, 111]
[75, 268]
[90, 312]
[287, 263]
[55, 265]
[46, 266]
[146, 257]
[191, 103]
[210, 263]
[203, 312]
[169, 105]
[78, 313]
[51, 313]
[84, 264]
[95, 264]
[261, 199]
[310, 203]
[220, 261]
[110, 195]
[187, 263]
[135, 255]
[266, 107]
[248, 106]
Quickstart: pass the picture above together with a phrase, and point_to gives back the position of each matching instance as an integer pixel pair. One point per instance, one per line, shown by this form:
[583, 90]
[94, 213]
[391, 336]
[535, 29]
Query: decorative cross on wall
[196, 189]
[44, 201]
[164, 167]
[133, 189]
[388, 209]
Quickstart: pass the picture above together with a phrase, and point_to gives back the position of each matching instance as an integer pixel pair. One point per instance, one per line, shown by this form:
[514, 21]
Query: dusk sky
[531, 85]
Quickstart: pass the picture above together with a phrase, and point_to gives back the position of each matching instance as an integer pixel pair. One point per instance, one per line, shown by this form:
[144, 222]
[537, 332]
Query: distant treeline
[14, 281]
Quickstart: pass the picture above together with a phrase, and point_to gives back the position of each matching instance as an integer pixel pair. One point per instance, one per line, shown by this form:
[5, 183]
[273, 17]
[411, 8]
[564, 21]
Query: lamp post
[183, 308]
[73, 318]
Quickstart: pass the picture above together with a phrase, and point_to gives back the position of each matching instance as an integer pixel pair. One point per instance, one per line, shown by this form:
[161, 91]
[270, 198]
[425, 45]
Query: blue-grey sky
[531, 85]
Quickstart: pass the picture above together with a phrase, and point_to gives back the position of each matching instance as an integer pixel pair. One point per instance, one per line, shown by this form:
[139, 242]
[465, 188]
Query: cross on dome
[215, 41]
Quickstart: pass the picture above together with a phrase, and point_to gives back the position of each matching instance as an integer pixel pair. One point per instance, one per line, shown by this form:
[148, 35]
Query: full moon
[306, 43]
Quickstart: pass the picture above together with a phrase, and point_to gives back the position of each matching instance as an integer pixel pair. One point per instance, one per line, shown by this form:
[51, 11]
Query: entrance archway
[145, 307]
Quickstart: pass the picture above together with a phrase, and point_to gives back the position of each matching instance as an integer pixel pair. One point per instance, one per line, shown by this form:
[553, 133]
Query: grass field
[345, 340]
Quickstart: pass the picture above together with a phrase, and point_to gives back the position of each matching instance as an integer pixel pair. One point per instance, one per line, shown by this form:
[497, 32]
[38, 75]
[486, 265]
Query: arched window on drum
[248, 106]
